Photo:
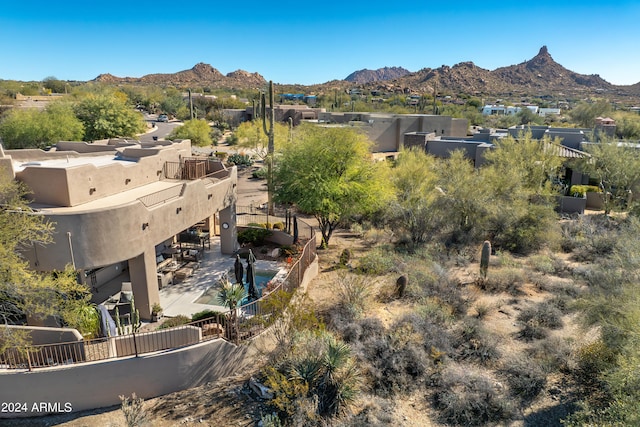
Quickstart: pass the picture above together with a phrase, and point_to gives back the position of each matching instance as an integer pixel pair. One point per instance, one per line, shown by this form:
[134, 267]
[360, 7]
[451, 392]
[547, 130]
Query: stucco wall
[96, 385]
[43, 335]
[112, 234]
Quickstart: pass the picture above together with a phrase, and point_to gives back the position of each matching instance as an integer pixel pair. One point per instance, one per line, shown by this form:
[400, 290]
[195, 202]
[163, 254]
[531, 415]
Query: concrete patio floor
[179, 298]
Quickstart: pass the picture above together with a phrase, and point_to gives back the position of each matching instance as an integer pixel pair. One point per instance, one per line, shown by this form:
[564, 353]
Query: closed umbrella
[238, 269]
[251, 277]
[295, 229]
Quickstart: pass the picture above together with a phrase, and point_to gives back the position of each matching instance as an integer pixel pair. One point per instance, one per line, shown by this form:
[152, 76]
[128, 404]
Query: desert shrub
[373, 412]
[525, 378]
[436, 310]
[542, 263]
[504, 259]
[589, 237]
[260, 173]
[598, 246]
[506, 280]
[563, 303]
[544, 314]
[255, 236]
[482, 309]
[175, 321]
[469, 397]
[376, 262]
[285, 392]
[436, 283]
[535, 229]
[133, 410]
[318, 378]
[239, 159]
[595, 358]
[278, 226]
[551, 354]
[531, 330]
[206, 314]
[352, 292]
[397, 361]
[473, 342]
[270, 420]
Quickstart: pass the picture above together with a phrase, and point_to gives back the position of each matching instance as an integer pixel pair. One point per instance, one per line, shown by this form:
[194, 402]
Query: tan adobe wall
[43, 335]
[73, 186]
[112, 234]
[98, 384]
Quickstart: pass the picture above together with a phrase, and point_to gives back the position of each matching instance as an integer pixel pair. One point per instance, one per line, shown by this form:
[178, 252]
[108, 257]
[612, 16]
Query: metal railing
[162, 196]
[236, 326]
[259, 215]
[193, 168]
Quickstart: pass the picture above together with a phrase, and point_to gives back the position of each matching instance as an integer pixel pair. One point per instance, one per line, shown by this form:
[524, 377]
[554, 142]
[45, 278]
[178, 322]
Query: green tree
[33, 128]
[584, 113]
[173, 102]
[414, 181]
[464, 201]
[328, 172]
[520, 175]
[54, 85]
[23, 292]
[197, 130]
[251, 136]
[107, 115]
[627, 125]
[616, 168]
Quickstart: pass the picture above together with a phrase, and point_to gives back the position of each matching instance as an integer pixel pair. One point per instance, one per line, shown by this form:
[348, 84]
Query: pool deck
[179, 298]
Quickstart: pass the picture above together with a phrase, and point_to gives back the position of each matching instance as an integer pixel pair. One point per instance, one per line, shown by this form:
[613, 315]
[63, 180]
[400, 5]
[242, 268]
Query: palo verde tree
[328, 172]
[617, 170]
[520, 174]
[23, 292]
[108, 115]
[197, 130]
[415, 185]
[32, 128]
[251, 136]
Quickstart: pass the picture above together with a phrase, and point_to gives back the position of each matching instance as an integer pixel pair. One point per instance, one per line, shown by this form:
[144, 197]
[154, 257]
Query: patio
[178, 298]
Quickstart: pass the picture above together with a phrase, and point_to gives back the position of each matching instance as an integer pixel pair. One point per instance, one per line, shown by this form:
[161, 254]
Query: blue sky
[312, 42]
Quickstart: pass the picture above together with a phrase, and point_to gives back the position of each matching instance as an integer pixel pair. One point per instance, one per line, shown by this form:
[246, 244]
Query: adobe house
[117, 205]
[387, 131]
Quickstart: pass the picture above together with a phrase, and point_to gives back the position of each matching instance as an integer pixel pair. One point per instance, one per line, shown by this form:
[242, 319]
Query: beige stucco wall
[96, 385]
[44, 335]
[387, 130]
[107, 235]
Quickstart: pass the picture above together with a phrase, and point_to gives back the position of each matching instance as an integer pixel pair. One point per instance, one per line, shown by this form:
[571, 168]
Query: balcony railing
[247, 321]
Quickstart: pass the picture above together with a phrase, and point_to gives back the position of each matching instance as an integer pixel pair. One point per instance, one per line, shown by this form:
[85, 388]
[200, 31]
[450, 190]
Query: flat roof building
[118, 204]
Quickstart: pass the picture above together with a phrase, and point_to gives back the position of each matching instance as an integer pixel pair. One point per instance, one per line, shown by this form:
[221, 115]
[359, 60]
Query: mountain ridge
[539, 75]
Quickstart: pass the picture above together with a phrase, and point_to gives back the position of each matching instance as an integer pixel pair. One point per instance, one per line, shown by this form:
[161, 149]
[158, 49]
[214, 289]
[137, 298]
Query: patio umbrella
[238, 269]
[251, 277]
[295, 229]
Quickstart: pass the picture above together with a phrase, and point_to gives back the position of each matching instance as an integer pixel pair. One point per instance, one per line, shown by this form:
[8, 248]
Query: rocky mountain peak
[368, 76]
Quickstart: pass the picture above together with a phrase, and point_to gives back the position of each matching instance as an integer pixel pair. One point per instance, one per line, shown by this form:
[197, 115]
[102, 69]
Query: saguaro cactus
[484, 259]
[271, 147]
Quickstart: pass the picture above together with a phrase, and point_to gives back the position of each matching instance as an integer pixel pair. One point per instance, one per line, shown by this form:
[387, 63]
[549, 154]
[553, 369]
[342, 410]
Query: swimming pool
[210, 296]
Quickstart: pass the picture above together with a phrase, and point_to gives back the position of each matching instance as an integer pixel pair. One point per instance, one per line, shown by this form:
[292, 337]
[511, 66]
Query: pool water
[210, 296]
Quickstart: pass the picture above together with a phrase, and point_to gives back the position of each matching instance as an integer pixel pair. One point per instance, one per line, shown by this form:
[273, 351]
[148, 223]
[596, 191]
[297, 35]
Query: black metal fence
[281, 217]
[235, 326]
